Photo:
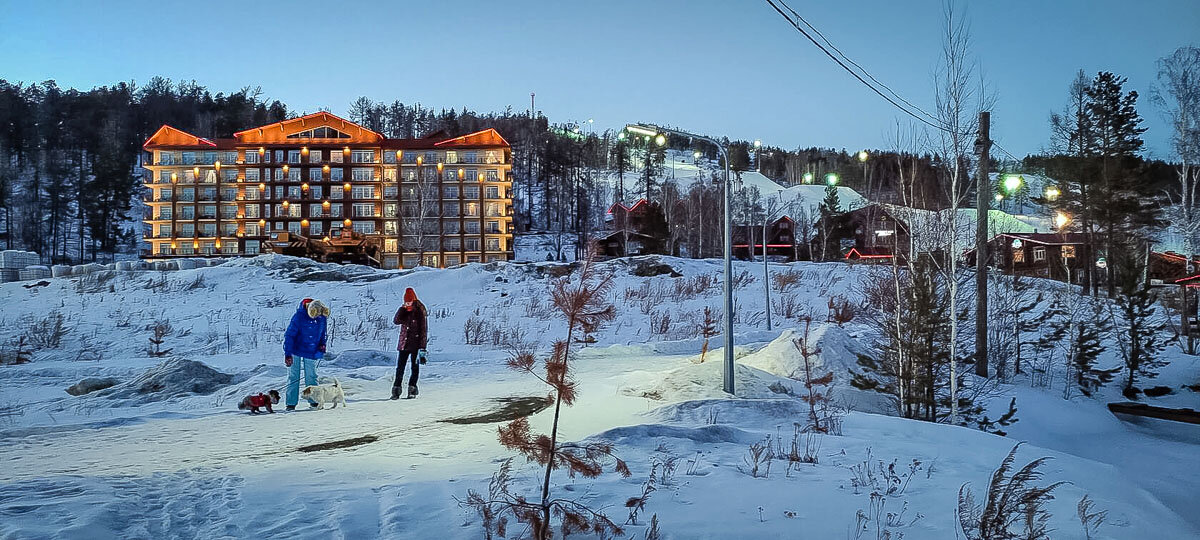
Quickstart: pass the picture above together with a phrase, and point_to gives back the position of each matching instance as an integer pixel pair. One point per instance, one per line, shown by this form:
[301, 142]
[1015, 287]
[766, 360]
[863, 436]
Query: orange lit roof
[279, 131]
[479, 139]
[168, 136]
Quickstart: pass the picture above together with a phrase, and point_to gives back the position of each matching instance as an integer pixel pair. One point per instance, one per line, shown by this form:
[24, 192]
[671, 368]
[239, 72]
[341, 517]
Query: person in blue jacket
[303, 345]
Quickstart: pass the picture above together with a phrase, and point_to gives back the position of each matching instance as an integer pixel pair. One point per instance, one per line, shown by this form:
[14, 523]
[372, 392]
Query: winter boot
[412, 391]
[395, 392]
[291, 407]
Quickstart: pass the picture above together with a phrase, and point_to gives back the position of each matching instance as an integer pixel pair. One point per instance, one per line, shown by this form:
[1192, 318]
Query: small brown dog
[255, 401]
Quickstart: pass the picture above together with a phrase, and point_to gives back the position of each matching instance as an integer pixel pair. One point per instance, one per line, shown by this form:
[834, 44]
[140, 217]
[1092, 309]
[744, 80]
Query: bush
[47, 333]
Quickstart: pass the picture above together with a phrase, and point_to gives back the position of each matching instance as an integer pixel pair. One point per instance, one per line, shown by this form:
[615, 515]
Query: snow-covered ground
[161, 462]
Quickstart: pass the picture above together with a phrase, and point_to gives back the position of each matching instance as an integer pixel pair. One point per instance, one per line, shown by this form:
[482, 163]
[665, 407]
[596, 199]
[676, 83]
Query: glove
[287, 360]
[321, 347]
[421, 356]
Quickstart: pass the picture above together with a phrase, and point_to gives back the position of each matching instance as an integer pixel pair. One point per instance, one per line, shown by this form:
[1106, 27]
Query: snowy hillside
[164, 453]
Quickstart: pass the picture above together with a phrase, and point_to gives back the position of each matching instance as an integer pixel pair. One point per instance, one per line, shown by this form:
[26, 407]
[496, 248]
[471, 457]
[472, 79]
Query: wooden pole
[983, 202]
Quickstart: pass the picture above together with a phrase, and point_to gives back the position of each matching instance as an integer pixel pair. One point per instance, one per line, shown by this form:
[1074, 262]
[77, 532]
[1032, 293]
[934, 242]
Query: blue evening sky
[728, 67]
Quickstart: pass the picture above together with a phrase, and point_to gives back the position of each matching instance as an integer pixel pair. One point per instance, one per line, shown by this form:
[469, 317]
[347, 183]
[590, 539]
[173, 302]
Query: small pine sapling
[159, 330]
[1140, 340]
[580, 302]
[816, 385]
[708, 329]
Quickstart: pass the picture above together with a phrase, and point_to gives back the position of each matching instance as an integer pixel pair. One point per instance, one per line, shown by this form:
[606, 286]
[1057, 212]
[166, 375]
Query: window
[471, 210]
[389, 157]
[187, 230]
[362, 156]
[187, 212]
[208, 229]
[164, 230]
[208, 211]
[335, 210]
[323, 132]
[472, 227]
[229, 194]
[362, 174]
[453, 244]
[335, 157]
[314, 175]
[293, 192]
[229, 229]
[314, 210]
[294, 228]
[492, 175]
[164, 176]
[189, 177]
[450, 209]
[430, 157]
[364, 210]
[337, 192]
[472, 258]
[314, 156]
[390, 245]
[252, 174]
[315, 229]
[252, 246]
[208, 194]
[1039, 254]
[389, 192]
[293, 175]
[450, 192]
[294, 210]
[279, 192]
[293, 156]
[252, 211]
[1068, 252]
[389, 227]
[336, 174]
[471, 192]
[493, 210]
[209, 158]
[410, 261]
[450, 176]
[164, 212]
[228, 211]
[189, 158]
[279, 156]
[389, 210]
[252, 229]
[185, 249]
[451, 156]
[408, 175]
[492, 244]
[251, 157]
[389, 175]
[164, 248]
[278, 175]
[210, 177]
[450, 227]
[364, 227]
[164, 194]
[363, 192]
[493, 227]
[470, 157]
[472, 244]
[493, 156]
[492, 192]
[316, 192]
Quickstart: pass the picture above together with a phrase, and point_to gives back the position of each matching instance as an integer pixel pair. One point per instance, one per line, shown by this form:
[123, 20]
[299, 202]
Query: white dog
[325, 393]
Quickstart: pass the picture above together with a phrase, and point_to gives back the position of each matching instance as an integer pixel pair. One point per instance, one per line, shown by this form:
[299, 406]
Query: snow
[186, 464]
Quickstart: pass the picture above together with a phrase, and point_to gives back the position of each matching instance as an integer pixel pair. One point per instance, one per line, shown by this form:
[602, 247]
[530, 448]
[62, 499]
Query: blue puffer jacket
[305, 335]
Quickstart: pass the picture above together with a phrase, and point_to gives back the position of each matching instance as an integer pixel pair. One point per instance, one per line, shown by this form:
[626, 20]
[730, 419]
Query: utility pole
[982, 208]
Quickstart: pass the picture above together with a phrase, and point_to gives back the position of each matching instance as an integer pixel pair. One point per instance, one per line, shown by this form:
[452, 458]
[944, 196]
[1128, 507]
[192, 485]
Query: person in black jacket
[414, 334]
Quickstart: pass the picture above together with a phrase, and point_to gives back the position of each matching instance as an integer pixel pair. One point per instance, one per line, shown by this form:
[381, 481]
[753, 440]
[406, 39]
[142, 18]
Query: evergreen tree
[1141, 325]
[830, 234]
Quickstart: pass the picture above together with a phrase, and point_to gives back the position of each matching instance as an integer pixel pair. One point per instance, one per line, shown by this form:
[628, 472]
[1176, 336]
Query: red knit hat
[409, 295]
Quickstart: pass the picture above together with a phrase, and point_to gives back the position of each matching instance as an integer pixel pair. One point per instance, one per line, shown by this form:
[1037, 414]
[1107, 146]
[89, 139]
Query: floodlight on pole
[1052, 193]
[1061, 219]
[831, 179]
[1012, 182]
[660, 139]
[656, 131]
[757, 143]
[862, 156]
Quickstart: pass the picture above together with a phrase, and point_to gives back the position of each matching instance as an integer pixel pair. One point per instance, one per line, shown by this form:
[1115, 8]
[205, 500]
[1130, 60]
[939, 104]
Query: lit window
[314, 156]
[1068, 252]
[1018, 255]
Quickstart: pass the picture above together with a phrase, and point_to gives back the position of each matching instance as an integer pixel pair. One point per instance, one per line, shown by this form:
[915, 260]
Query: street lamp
[656, 131]
[757, 155]
[831, 179]
[1012, 182]
[1052, 193]
[1061, 219]
[808, 178]
[862, 158]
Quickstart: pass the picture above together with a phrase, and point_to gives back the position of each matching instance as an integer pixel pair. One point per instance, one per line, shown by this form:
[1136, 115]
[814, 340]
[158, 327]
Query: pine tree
[830, 233]
[1141, 325]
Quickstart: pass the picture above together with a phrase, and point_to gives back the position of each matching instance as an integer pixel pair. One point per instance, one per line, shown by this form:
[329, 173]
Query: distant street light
[660, 140]
[831, 179]
[696, 154]
[1012, 182]
[1061, 219]
[1052, 193]
[658, 132]
[999, 197]
[808, 178]
[862, 156]
[757, 155]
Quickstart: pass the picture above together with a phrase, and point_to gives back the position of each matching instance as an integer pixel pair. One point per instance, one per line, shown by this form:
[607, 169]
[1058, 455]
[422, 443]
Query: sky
[724, 67]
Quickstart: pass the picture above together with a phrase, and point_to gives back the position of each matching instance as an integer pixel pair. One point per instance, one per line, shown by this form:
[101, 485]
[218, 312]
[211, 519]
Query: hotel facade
[433, 202]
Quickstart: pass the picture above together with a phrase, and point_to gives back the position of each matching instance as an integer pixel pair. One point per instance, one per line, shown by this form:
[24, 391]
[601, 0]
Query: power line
[855, 74]
[856, 64]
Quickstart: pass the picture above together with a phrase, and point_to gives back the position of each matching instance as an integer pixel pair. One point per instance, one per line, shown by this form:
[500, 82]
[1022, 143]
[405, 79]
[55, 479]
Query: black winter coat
[414, 329]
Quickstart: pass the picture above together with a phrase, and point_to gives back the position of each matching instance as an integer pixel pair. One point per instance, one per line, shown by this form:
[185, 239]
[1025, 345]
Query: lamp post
[652, 130]
[862, 157]
[757, 156]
